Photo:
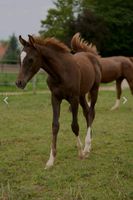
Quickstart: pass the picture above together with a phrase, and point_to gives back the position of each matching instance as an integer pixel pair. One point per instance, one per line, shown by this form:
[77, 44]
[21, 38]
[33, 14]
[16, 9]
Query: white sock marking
[117, 103]
[87, 142]
[50, 162]
[22, 56]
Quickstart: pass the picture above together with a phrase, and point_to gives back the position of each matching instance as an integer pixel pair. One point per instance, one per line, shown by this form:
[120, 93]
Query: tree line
[106, 24]
[11, 55]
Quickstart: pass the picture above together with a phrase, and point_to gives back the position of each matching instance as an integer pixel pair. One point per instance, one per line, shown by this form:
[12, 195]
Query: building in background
[3, 48]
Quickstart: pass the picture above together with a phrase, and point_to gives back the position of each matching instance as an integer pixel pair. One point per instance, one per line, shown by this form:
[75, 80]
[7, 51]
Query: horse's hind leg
[130, 82]
[91, 116]
[85, 107]
[131, 86]
[118, 91]
[128, 74]
[55, 127]
[75, 127]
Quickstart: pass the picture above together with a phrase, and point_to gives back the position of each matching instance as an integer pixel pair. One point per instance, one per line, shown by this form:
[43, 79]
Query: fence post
[2, 67]
[34, 84]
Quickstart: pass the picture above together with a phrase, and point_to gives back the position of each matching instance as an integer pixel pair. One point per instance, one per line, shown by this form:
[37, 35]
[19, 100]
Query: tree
[92, 28]
[11, 55]
[108, 24]
[118, 17]
[58, 18]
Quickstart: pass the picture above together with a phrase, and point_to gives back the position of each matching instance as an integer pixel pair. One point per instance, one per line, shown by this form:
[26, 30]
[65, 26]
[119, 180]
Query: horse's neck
[54, 75]
[52, 67]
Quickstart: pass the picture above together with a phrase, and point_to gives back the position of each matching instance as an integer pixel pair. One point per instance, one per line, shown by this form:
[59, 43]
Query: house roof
[3, 48]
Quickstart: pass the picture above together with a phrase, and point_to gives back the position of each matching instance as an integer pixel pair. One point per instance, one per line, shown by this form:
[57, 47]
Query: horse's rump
[114, 68]
[131, 59]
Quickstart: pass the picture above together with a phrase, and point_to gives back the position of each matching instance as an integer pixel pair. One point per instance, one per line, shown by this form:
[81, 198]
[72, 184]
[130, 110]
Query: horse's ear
[31, 40]
[22, 41]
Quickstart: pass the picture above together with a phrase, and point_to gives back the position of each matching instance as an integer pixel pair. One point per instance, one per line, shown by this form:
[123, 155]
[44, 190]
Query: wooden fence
[8, 75]
[9, 68]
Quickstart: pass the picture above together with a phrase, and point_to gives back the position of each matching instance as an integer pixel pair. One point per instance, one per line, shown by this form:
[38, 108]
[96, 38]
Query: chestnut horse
[70, 77]
[115, 68]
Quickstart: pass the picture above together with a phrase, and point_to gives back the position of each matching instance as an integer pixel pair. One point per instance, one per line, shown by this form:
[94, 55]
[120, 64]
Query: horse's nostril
[20, 84]
[16, 83]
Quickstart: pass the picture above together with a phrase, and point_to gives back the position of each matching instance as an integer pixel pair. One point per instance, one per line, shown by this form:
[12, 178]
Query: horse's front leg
[55, 128]
[75, 127]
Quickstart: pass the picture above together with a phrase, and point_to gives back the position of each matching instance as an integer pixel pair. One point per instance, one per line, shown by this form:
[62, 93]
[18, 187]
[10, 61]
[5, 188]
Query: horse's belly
[111, 70]
[109, 76]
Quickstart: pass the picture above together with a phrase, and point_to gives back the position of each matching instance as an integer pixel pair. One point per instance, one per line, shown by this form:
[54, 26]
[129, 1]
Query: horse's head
[30, 62]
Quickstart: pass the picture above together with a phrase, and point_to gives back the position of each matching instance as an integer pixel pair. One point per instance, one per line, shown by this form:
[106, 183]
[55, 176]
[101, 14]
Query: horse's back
[112, 67]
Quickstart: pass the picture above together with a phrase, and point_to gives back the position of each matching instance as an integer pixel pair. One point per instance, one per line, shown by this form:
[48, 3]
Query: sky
[22, 17]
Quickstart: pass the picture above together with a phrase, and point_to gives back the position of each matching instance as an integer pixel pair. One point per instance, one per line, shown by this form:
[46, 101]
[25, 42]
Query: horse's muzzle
[20, 84]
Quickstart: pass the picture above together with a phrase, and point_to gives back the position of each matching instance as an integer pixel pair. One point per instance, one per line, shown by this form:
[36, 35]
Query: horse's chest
[62, 91]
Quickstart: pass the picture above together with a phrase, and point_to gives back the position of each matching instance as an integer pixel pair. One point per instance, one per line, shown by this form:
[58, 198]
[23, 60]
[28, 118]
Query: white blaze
[22, 56]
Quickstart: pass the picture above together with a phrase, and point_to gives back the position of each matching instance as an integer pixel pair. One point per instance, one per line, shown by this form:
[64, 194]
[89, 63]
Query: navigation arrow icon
[5, 100]
[125, 100]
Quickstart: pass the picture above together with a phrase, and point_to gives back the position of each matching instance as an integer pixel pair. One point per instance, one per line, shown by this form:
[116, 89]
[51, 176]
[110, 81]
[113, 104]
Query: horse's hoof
[86, 154]
[114, 108]
[81, 156]
[49, 164]
[48, 167]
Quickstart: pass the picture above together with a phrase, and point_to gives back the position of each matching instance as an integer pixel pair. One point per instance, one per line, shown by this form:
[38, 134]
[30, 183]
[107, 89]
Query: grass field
[7, 82]
[25, 136]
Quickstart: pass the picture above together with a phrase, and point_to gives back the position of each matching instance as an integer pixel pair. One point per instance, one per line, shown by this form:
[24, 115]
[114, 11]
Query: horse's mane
[78, 44]
[52, 42]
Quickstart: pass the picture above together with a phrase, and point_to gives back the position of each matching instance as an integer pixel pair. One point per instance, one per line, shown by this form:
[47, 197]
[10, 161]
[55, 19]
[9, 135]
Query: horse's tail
[78, 44]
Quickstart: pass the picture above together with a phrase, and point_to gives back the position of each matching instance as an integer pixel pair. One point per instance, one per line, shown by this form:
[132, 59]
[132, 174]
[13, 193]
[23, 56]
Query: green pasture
[25, 137]
[7, 82]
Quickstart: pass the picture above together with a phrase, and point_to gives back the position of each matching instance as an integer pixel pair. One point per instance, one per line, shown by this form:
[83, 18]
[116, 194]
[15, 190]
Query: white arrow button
[125, 100]
[5, 100]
